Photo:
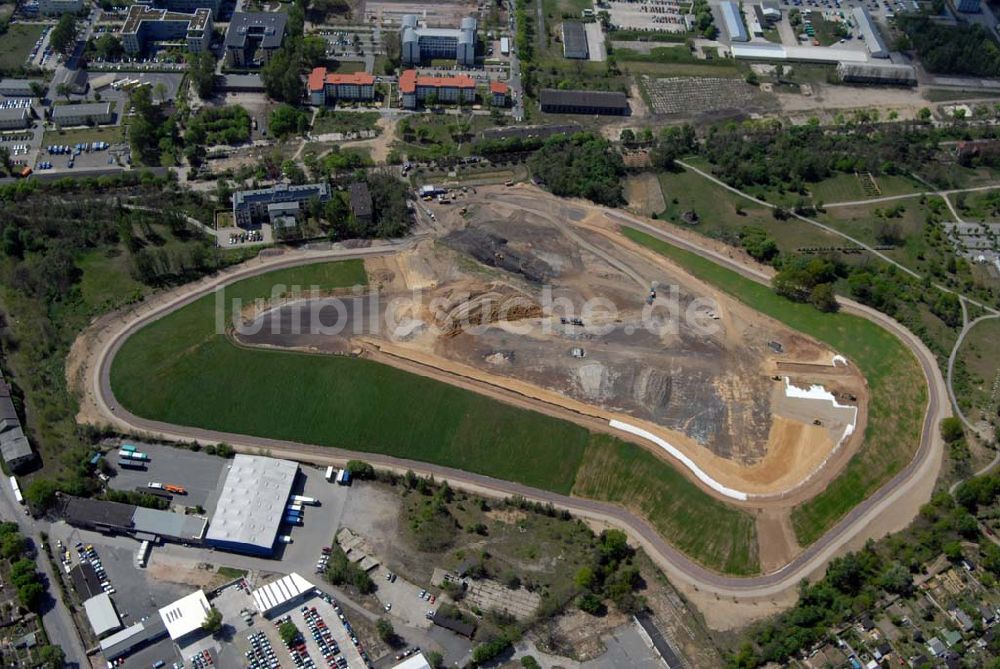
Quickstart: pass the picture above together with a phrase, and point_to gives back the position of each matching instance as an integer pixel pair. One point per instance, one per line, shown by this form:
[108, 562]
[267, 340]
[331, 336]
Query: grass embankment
[16, 44]
[177, 369]
[898, 390]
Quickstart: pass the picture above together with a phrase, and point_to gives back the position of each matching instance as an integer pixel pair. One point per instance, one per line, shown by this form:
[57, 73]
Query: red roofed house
[413, 89]
[498, 93]
[327, 88]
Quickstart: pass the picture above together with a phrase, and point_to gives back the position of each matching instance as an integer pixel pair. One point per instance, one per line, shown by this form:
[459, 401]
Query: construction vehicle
[176, 489]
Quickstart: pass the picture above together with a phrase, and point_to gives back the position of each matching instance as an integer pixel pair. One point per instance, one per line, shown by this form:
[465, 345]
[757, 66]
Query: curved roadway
[876, 515]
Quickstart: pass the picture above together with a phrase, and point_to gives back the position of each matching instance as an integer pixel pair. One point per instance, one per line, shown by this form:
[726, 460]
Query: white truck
[301, 499]
[330, 473]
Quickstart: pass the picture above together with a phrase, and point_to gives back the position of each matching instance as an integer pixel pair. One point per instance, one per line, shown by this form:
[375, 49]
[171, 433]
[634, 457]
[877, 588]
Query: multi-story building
[414, 89]
[279, 202]
[252, 37]
[56, 7]
[144, 25]
[499, 93]
[418, 44]
[20, 88]
[324, 88]
[94, 113]
[15, 119]
[186, 6]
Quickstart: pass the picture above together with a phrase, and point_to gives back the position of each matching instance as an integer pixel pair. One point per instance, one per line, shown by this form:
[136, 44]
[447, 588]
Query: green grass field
[898, 390]
[111, 135]
[636, 479]
[978, 355]
[338, 121]
[718, 218]
[848, 188]
[16, 44]
[177, 369]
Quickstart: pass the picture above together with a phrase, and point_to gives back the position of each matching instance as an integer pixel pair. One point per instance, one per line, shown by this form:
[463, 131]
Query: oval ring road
[679, 567]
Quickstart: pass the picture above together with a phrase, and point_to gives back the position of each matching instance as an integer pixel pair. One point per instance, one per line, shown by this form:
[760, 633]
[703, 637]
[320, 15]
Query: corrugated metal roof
[869, 31]
[285, 589]
[101, 614]
[252, 503]
[734, 22]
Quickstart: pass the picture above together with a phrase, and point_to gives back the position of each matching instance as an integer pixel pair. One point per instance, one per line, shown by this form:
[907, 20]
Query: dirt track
[889, 509]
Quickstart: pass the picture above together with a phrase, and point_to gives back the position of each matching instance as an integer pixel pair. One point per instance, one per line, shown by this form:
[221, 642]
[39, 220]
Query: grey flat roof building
[574, 40]
[251, 206]
[102, 615]
[19, 87]
[168, 525]
[361, 200]
[583, 102]
[252, 504]
[249, 32]
[869, 31]
[14, 445]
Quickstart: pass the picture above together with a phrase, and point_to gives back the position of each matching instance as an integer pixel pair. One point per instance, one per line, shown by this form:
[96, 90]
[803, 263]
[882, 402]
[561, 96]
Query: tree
[313, 51]
[63, 36]
[30, 595]
[213, 621]
[897, 579]
[160, 91]
[64, 90]
[627, 137]
[528, 662]
[591, 603]
[52, 657]
[201, 69]
[288, 631]
[5, 160]
[37, 89]
[13, 545]
[281, 74]
[287, 120]
[924, 114]
[952, 430]
[108, 47]
[385, 630]
[823, 298]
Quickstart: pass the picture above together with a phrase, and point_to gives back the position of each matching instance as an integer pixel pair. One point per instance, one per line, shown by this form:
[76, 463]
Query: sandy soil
[644, 195]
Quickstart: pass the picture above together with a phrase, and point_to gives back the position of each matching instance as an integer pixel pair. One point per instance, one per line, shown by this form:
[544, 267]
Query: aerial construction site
[513, 293]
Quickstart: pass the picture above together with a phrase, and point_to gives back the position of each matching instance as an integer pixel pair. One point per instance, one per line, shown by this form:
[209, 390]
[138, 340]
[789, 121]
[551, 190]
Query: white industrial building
[101, 615]
[869, 31]
[421, 43]
[769, 51]
[278, 596]
[186, 615]
[733, 18]
[417, 661]
[252, 504]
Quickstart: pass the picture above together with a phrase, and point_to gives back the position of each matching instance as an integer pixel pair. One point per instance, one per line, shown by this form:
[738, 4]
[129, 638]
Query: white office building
[421, 43]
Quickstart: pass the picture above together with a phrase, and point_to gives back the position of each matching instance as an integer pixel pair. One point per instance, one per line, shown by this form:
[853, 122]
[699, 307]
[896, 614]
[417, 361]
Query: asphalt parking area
[404, 598]
[199, 473]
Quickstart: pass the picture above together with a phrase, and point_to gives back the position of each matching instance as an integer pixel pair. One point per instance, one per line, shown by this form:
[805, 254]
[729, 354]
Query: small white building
[186, 615]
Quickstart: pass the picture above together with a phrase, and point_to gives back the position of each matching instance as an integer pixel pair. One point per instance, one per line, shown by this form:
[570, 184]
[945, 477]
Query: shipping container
[303, 500]
[17, 490]
[129, 447]
[131, 464]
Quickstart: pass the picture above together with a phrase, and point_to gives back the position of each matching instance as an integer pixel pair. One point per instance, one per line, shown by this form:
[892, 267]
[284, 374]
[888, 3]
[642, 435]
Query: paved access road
[889, 509]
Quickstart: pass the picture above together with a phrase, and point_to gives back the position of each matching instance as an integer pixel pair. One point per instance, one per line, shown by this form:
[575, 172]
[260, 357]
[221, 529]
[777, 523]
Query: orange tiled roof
[408, 82]
[318, 78]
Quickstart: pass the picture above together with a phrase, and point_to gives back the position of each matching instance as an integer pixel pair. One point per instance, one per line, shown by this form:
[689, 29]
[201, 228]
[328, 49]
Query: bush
[951, 429]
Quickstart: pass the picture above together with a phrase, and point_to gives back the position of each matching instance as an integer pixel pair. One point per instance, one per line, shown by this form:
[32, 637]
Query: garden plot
[690, 96]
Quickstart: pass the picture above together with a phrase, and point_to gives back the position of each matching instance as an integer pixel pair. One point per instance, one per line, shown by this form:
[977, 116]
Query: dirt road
[890, 509]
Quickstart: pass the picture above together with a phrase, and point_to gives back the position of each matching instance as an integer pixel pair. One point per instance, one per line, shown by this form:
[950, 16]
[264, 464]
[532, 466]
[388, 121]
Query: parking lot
[200, 474]
[403, 598]
[326, 633]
